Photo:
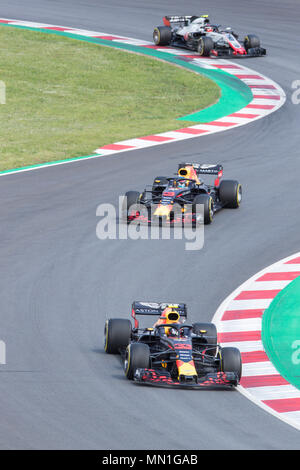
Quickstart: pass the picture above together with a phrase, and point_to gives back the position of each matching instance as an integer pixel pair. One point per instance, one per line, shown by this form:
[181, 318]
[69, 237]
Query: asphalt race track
[59, 282]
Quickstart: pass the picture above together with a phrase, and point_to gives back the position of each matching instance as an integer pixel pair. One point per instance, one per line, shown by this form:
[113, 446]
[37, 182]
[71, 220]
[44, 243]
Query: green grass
[65, 98]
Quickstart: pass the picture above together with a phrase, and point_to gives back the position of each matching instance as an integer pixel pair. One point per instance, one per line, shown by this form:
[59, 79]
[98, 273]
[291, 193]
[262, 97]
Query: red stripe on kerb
[260, 106]
[58, 28]
[230, 337]
[153, 47]
[244, 115]
[266, 87]
[220, 124]
[257, 294]
[242, 314]
[257, 77]
[263, 381]
[284, 405]
[279, 276]
[193, 56]
[226, 66]
[156, 138]
[267, 97]
[116, 147]
[108, 38]
[6, 21]
[294, 261]
[254, 356]
[190, 130]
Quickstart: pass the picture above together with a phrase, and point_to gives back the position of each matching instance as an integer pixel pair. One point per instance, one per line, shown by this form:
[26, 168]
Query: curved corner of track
[239, 322]
[246, 95]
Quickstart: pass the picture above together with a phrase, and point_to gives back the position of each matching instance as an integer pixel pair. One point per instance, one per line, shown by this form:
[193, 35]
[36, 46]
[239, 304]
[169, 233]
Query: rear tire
[117, 335]
[207, 201]
[251, 41]
[137, 356]
[231, 361]
[211, 335]
[205, 46]
[230, 193]
[162, 35]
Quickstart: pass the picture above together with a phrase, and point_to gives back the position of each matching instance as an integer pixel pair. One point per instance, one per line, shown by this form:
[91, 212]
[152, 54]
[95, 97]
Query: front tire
[205, 46]
[137, 356]
[133, 198]
[231, 361]
[162, 35]
[117, 335]
[251, 41]
[230, 193]
[208, 204]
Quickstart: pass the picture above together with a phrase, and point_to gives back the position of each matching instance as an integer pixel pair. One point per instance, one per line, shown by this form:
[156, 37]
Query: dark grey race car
[197, 34]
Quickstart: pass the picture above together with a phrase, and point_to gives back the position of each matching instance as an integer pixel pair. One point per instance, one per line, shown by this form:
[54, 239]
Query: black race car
[197, 34]
[183, 198]
[171, 353]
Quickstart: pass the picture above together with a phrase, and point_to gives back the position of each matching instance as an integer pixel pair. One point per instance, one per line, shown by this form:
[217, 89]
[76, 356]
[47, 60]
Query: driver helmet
[169, 315]
[171, 332]
[166, 318]
[208, 29]
[182, 183]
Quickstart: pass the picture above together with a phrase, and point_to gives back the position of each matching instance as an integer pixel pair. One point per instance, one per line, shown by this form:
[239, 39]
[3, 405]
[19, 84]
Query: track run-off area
[59, 282]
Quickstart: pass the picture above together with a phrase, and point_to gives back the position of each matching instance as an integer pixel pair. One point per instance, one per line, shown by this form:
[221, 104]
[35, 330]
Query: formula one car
[178, 199]
[171, 353]
[197, 34]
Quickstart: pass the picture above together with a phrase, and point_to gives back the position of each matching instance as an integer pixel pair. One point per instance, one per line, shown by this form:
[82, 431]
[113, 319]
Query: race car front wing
[252, 52]
[164, 379]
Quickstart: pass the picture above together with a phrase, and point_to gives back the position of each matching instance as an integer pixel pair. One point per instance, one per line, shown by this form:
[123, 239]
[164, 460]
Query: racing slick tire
[117, 335]
[230, 193]
[207, 201]
[162, 35]
[205, 46]
[137, 356]
[132, 199]
[210, 335]
[251, 41]
[159, 184]
[231, 361]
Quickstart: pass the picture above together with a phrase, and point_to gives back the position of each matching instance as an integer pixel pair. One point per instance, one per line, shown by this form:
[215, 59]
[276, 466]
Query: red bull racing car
[184, 198]
[171, 353]
[198, 34]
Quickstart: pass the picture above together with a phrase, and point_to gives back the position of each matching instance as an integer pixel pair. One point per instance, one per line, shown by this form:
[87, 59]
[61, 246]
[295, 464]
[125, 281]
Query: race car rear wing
[204, 168]
[181, 19]
[155, 309]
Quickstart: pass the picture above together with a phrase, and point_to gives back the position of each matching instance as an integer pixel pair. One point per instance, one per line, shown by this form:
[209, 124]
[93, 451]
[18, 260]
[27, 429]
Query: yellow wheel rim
[239, 195]
[211, 214]
[156, 36]
[106, 336]
[127, 360]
